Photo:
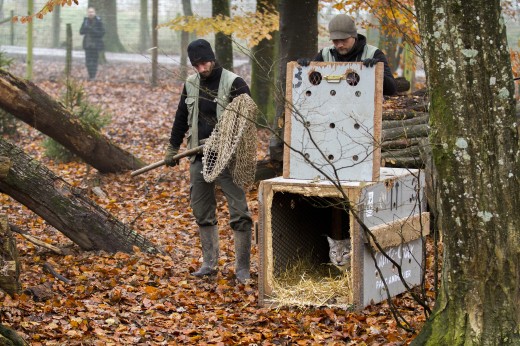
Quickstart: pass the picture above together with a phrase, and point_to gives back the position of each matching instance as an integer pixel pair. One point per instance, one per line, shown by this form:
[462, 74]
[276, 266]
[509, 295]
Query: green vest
[192, 101]
[368, 52]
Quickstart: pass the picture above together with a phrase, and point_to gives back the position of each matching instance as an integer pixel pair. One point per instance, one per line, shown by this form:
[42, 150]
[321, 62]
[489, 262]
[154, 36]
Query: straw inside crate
[305, 284]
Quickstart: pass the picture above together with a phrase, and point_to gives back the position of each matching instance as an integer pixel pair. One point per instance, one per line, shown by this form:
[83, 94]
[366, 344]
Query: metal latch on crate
[334, 78]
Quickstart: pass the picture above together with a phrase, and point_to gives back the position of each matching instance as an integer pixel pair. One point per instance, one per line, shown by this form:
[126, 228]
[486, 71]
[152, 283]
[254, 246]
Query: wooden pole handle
[185, 153]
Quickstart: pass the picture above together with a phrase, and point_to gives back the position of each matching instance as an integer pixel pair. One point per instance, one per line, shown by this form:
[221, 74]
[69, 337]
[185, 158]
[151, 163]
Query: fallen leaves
[116, 299]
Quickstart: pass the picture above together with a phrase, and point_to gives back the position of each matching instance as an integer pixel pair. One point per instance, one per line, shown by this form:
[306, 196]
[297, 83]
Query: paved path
[53, 53]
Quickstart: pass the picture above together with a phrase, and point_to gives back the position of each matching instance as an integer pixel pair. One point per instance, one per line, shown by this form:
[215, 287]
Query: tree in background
[264, 68]
[185, 40]
[223, 42]
[475, 147]
[144, 27]
[56, 27]
[251, 27]
[107, 10]
[296, 40]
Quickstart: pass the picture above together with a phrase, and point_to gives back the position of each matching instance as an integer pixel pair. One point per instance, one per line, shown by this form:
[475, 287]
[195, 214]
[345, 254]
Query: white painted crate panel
[333, 124]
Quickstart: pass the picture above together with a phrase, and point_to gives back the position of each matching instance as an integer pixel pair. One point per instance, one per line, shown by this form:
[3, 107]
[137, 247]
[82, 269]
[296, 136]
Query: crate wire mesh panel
[294, 218]
[333, 121]
[300, 225]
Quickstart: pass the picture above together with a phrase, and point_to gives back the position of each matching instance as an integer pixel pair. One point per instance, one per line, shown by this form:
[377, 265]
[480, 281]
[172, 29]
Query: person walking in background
[92, 30]
[204, 97]
[349, 46]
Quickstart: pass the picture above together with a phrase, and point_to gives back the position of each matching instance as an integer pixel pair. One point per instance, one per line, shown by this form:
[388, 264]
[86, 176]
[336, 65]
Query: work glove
[170, 153]
[370, 62]
[303, 61]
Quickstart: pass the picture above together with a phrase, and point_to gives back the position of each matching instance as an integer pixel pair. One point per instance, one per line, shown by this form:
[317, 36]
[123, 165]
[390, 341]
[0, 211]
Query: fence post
[68, 56]
[12, 28]
[30, 45]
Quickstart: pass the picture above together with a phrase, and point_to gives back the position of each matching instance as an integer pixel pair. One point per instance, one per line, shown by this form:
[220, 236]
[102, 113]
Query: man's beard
[206, 74]
[343, 51]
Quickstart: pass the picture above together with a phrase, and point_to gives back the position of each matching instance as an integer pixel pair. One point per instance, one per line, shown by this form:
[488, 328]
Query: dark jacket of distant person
[93, 32]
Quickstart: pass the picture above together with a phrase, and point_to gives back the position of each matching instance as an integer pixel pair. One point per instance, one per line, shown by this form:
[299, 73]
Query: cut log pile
[405, 127]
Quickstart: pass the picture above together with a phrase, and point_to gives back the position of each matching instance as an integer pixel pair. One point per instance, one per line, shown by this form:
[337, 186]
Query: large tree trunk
[263, 69]
[223, 43]
[65, 207]
[475, 148]
[296, 41]
[29, 103]
[107, 10]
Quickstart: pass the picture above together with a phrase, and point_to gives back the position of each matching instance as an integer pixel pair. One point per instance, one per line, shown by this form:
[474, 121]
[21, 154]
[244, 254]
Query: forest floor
[138, 298]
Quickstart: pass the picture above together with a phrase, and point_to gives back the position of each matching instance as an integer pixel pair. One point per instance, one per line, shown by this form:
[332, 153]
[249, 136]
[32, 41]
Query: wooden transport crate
[333, 121]
[295, 215]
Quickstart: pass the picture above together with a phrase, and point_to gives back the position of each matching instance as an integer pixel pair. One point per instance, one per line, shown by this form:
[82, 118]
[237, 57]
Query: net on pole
[233, 143]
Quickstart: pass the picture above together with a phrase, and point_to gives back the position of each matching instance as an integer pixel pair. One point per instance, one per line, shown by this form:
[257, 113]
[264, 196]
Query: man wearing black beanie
[204, 97]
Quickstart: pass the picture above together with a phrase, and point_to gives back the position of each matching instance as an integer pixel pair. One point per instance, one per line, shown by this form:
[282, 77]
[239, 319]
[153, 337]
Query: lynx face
[340, 253]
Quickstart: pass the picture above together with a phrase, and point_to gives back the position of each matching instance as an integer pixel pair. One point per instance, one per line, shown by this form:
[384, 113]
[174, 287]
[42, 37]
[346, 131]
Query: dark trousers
[91, 60]
[204, 203]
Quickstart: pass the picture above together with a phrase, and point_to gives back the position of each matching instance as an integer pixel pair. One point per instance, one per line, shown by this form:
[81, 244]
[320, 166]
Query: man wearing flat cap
[204, 97]
[349, 46]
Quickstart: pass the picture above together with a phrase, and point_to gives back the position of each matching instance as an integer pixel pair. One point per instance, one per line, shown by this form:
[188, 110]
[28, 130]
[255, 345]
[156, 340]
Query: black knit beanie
[200, 51]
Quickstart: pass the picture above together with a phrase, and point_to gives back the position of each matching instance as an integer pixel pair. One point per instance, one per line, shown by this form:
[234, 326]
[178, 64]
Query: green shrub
[5, 62]
[76, 102]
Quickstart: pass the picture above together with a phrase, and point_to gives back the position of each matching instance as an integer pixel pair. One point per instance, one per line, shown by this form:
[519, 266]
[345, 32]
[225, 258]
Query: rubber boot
[210, 251]
[242, 255]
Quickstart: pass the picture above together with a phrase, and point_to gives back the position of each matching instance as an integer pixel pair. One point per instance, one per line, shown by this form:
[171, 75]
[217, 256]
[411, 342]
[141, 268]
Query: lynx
[340, 253]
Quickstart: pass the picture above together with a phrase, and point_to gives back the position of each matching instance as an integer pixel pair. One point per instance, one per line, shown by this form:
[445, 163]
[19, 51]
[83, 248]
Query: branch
[48, 268]
[35, 240]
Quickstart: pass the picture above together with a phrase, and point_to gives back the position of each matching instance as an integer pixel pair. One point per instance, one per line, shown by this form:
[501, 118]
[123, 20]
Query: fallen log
[399, 143]
[64, 207]
[421, 118]
[412, 131]
[26, 101]
[404, 152]
[402, 114]
[402, 162]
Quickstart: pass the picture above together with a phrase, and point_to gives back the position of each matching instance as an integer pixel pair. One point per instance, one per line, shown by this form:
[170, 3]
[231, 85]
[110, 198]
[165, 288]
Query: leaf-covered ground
[123, 299]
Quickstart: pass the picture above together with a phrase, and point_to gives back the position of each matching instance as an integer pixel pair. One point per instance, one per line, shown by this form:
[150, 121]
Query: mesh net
[233, 143]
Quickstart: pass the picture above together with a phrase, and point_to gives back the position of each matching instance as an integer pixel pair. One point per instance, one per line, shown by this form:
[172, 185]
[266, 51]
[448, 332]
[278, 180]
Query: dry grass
[303, 284]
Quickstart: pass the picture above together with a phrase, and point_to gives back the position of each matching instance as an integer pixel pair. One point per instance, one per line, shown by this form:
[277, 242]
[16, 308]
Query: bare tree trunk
[56, 26]
[144, 27]
[223, 43]
[29, 103]
[65, 207]
[263, 68]
[185, 41]
[155, 41]
[296, 41]
[475, 150]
